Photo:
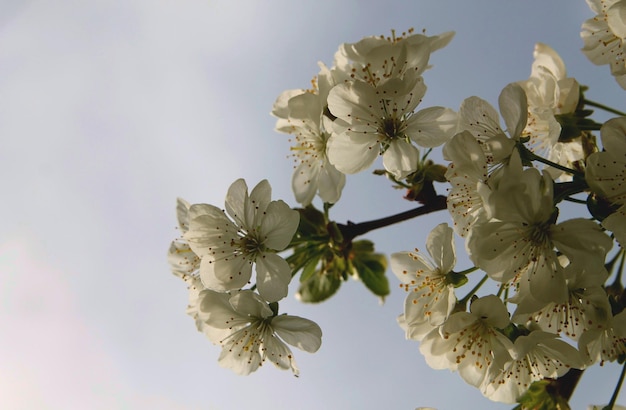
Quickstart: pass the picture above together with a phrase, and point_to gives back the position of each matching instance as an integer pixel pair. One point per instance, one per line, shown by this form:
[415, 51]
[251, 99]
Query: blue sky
[109, 110]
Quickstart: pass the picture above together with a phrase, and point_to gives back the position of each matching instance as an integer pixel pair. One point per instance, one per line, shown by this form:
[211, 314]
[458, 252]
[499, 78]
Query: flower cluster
[216, 255]
[362, 107]
[513, 176]
[550, 271]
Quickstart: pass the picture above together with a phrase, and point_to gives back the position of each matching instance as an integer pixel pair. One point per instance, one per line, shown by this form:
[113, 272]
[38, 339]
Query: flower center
[540, 234]
[249, 246]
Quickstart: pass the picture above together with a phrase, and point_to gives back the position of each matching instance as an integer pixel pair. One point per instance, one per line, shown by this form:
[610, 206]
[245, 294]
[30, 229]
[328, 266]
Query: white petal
[182, 214]
[250, 305]
[616, 223]
[616, 19]
[279, 109]
[352, 155]
[278, 225]
[273, 276]
[480, 117]
[304, 182]
[260, 198]
[514, 109]
[215, 310]
[225, 274]
[236, 198]
[182, 260]
[354, 101]
[613, 134]
[583, 242]
[440, 245]
[406, 265]
[432, 126]
[546, 56]
[331, 183]
[401, 158]
[491, 309]
[242, 362]
[278, 353]
[299, 332]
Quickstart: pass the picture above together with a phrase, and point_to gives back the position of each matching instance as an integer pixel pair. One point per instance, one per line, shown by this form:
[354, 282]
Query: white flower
[183, 261]
[250, 332]
[469, 342]
[606, 175]
[550, 92]
[605, 343]
[431, 295]
[482, 120]
[604, 34]
[467, 174]
[378, 59]
[536, 356]
[228, 247]
[302, 114]
[522, 234]
[587, 306]
[380, 120]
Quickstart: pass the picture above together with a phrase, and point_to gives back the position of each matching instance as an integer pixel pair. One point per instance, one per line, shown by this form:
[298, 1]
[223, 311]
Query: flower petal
[273, 276]
[351, 154]
[514, 109]
[440, 245]
[299, 332]
[401, 158]
[278, 225]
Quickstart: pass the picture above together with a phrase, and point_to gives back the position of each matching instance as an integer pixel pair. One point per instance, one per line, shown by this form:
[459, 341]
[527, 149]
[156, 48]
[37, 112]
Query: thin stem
[468, 270]
[501, 290]
[352, 230]
[603, 107]
[564, 190]
[474, 290]
[528, 154]
[617, 389]
[575, 200]
[590, 127]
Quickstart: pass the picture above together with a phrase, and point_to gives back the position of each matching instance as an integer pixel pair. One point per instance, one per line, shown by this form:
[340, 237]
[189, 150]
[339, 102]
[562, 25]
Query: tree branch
[352, 230]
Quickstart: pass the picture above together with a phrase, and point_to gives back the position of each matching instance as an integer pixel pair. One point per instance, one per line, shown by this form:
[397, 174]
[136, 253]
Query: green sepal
[335, 233]
[370, 267]
[537, 397]
[512, 332]
[302, 256]
[574, 124]
[456, 279]
[599, 207]
[435, 172]
[274, 307]
[318, 287]
[312, 222]
[309, 268]
[362, 247]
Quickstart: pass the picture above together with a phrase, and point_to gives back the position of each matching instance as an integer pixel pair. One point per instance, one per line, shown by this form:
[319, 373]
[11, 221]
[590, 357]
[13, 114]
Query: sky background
[110, 110]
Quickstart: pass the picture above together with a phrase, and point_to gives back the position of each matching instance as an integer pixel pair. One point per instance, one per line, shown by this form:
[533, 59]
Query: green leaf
[309, 267]
[318, 288]
[301, 256]
[363, 246]
[370, 268]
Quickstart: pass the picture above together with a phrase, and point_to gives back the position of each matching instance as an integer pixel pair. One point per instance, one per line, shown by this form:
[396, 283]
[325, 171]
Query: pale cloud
[52, 355]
